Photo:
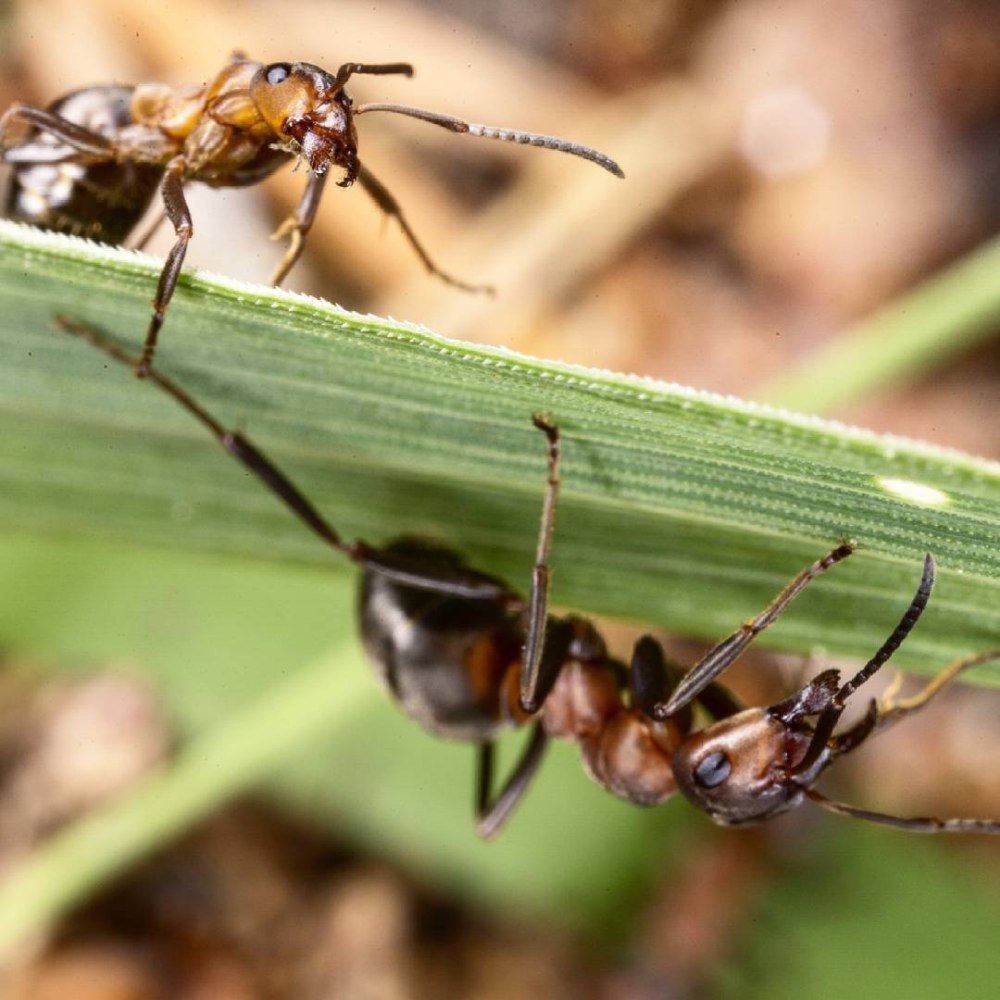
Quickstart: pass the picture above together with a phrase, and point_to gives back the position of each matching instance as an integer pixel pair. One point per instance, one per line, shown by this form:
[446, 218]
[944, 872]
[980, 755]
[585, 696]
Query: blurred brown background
[791, 165]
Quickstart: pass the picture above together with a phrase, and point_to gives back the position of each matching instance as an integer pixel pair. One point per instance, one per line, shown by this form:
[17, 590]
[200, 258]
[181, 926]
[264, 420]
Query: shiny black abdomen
[52, 187]
[443, 658]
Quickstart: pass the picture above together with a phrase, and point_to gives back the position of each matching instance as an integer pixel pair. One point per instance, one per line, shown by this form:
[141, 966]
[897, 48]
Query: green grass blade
[680, 509]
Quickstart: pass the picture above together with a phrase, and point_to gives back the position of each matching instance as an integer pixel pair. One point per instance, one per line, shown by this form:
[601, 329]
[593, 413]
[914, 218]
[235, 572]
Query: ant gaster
[91, 162]
[466, 656]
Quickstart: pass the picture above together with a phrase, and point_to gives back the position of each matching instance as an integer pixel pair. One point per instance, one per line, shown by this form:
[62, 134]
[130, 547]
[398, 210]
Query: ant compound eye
[277, 73]
[713, 770]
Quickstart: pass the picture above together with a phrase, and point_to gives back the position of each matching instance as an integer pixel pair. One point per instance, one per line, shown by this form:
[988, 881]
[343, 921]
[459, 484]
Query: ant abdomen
[51, 187]
[443, 657]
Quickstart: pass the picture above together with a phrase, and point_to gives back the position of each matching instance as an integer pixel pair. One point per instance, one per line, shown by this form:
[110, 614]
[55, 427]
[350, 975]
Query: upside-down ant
[92, 161]
[466, 656]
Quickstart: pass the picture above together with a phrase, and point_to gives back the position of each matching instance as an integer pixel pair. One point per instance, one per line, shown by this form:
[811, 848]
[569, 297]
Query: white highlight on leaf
[918, 493]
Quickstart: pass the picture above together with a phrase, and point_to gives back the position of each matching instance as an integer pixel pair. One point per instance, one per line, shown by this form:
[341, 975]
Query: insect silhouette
[466, 656]
[91, 163]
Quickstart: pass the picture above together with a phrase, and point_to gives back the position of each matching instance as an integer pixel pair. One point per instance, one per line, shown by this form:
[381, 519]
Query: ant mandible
[466, 656]
[91, 162]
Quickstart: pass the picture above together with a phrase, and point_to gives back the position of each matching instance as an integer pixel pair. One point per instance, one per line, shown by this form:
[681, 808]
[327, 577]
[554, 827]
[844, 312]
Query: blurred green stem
[234, 756]
[921, 328]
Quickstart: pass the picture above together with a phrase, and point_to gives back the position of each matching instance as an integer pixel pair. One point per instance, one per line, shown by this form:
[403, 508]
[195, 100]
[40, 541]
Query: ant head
[310, 113]
[738, 770]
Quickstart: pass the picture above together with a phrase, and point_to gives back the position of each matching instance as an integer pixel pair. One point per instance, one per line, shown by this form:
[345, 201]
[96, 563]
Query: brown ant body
[466, 656]
[91, 163]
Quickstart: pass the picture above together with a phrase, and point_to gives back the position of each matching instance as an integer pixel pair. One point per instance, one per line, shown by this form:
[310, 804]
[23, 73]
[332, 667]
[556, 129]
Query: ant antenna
[453, 124]
[831, 714]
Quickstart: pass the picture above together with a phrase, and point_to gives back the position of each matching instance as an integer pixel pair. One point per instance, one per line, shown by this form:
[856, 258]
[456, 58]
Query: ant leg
[889, 710]
[651, 677]
[80, 138]
[717, 659]
[297, 226]
[180, 217]
[140, 242]
[892, 710]
[382, 197]
[851, 739]
[720, 702]
[492, 815]
[239, 447]
[831, 714]
[916, 824]
[648, 675]
[538, 601]
[558, 637]
[468, 584]
[484, 778]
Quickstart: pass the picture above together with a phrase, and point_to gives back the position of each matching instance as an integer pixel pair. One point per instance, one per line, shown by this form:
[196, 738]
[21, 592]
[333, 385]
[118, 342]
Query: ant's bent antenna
[454, 124]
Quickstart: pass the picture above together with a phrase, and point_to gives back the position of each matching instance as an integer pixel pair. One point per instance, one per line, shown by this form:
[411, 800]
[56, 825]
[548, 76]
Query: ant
[92, 161]
[466, 656]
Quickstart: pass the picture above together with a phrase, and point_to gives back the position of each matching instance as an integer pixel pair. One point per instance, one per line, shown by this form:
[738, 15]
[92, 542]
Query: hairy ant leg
[180, 218]
[724, 653]
[387, 202]
[82, 140]
[467, 584]
[882, 716]
[536, 683]
[493, 812]
[296, 227]
[915, 824]
[892, 709]
[548, 644]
